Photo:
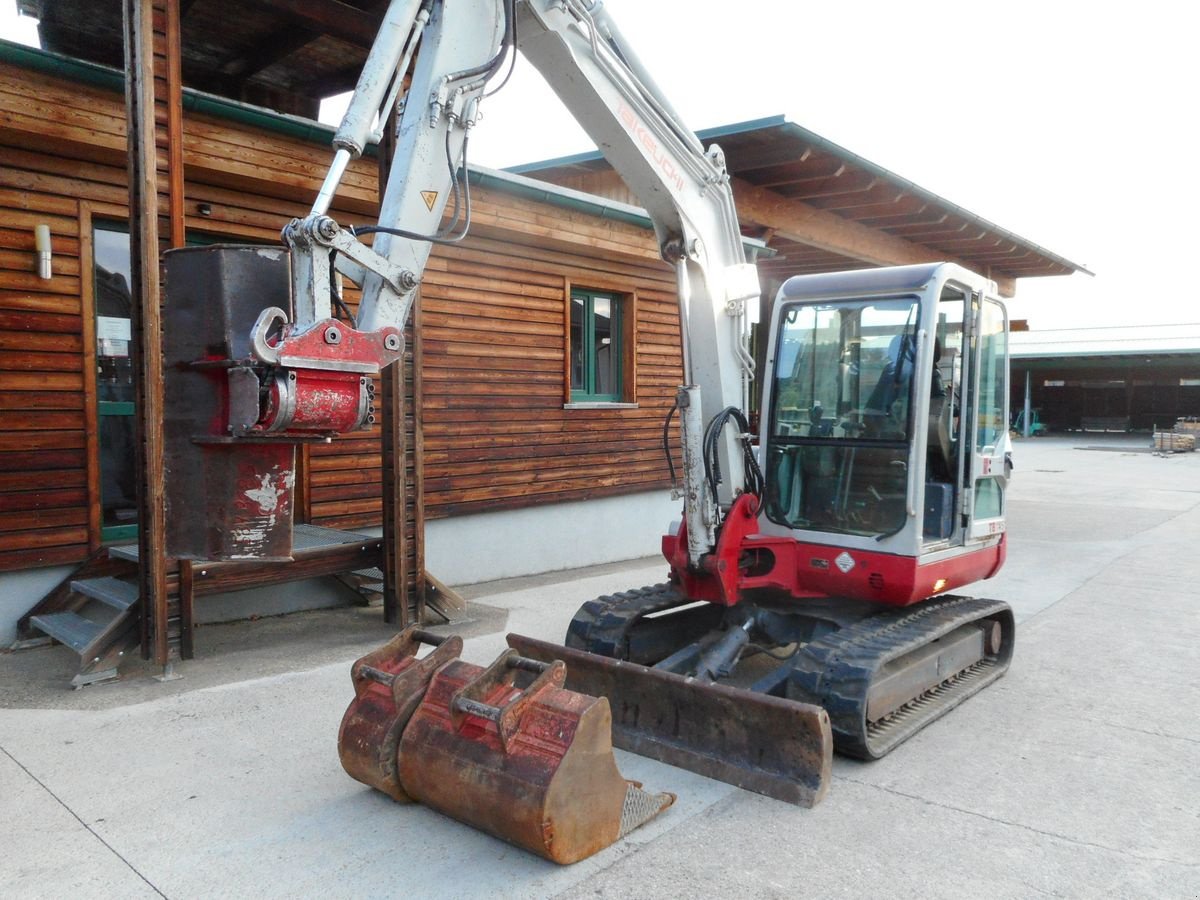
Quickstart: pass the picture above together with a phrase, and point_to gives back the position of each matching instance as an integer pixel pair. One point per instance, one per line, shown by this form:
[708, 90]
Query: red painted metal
[314, 400]
[331, 344]
[388, 685]
[745, 560]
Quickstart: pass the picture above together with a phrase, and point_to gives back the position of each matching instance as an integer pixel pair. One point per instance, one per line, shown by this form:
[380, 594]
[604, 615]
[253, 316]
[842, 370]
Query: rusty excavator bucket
[532, 765]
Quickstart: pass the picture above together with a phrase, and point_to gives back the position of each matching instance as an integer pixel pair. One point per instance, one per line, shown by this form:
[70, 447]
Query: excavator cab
[885, 401]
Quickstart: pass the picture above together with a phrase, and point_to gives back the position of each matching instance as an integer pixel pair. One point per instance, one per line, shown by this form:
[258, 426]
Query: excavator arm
[452, 49]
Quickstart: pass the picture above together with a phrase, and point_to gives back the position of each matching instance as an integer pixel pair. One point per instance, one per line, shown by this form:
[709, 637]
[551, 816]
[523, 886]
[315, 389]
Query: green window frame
[596, 351]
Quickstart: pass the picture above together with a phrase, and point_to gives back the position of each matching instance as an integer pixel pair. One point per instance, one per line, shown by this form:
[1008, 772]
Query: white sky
[1074, 125]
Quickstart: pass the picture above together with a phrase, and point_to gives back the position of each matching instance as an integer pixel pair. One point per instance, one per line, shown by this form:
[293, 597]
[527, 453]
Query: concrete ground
[1077, 775]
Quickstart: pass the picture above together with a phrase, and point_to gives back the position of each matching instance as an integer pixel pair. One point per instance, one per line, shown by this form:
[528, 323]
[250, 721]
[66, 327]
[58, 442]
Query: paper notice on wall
[112, 336]
[112, 328]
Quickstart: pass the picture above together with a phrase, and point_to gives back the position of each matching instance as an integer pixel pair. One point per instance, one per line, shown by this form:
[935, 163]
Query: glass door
[991, 421]
[112, 302]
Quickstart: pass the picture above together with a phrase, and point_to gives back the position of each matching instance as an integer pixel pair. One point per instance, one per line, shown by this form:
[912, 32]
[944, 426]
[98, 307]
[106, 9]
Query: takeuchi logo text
[657, 154]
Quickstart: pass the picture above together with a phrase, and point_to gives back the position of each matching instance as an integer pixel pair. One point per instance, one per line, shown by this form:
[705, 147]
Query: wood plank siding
[492, 428]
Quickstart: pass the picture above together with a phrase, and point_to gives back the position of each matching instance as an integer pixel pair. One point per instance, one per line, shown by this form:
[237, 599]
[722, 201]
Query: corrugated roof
[1116, 341]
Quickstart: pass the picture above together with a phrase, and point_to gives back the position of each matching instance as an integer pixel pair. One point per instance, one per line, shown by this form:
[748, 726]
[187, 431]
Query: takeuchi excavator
[810, 596]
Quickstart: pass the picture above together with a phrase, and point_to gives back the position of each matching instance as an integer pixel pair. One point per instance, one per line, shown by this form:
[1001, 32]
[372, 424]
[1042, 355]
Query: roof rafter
[797, 221]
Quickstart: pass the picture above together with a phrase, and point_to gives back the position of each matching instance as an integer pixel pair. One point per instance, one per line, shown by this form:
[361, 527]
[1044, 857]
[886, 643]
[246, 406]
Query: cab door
[984, 501]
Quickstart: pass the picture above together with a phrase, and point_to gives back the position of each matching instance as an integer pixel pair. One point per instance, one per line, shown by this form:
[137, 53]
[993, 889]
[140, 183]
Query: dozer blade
[531, 766]
[388, 685]
[781, 748]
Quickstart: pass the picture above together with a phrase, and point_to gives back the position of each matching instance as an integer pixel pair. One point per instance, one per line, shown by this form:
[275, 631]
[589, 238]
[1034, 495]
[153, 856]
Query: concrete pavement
[1077, 775]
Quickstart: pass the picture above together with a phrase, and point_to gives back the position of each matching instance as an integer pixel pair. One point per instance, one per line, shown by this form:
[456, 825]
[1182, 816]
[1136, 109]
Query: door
[112, 302]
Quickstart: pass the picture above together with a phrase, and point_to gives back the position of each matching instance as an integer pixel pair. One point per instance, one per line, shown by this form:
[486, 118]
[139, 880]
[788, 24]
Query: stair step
[124, 551]
[69, 628]
[120, 595]
[373, 586]
[375, 574]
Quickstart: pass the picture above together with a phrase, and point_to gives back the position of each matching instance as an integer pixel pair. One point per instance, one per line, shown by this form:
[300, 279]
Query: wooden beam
[417, 449]
[138, 18]
[283, 45]
[339, 20]
[395, 552]
[797, 221]
[87, 295]
[336, 82]
[174, 102]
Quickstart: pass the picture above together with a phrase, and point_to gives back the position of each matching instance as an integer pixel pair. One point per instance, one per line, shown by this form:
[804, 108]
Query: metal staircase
[94, 612]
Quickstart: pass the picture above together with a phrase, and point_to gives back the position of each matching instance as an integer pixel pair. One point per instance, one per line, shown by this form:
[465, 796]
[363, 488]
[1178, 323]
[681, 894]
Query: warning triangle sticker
[430, 198]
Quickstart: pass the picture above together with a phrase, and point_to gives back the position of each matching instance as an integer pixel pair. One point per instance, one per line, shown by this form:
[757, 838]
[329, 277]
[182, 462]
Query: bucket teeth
[506, 749]
[641, 806]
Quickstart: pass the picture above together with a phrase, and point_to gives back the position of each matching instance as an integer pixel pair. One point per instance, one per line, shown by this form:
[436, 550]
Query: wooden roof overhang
[823, 208]
[284, 54]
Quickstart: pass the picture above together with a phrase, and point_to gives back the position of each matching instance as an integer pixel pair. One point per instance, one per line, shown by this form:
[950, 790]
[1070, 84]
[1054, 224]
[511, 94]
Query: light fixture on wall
[41, 240]
[204, 209]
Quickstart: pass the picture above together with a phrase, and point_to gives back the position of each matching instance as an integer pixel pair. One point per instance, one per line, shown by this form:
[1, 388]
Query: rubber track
[836, 670]
[602, 625]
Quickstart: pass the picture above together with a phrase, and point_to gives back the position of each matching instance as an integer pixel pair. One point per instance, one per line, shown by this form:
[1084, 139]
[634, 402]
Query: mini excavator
[809, 601]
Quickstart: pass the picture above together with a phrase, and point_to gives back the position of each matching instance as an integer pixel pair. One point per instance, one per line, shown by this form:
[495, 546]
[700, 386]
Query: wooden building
[506, 410]
[1128, 378]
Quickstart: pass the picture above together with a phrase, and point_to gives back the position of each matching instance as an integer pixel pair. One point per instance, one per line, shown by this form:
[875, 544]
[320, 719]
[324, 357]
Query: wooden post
[138, 17]
[395, 556]
[187, 605]
[417, 450]
[174, 100]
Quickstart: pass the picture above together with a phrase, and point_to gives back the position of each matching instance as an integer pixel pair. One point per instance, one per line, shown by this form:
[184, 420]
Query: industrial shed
[1129, 378]
[495, 450]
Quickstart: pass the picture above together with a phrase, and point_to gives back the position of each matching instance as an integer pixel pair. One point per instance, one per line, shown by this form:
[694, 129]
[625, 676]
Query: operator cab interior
[841, 417]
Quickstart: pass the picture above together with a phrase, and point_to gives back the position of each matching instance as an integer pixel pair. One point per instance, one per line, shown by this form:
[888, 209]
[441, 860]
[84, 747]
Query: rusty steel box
[226, 497]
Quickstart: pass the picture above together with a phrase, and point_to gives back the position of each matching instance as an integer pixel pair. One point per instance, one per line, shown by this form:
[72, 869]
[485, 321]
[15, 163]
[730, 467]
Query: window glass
[578, 382]
[602, 345]
[993, 367]
[114, 380]
[595, 347]
[838, 456]
[845, 371]
[988, 499]
[839, 486]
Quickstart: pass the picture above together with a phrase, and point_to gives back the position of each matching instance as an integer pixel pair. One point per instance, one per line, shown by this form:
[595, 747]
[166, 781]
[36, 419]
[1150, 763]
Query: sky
[1074, 125]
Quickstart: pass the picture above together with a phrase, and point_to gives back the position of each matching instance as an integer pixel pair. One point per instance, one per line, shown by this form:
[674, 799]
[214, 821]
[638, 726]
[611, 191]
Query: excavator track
[605, 625]
[847, 671]
[881, 679]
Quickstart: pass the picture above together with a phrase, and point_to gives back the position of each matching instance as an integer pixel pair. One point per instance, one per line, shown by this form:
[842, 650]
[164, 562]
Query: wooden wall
[491, 347]
[496, 434]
